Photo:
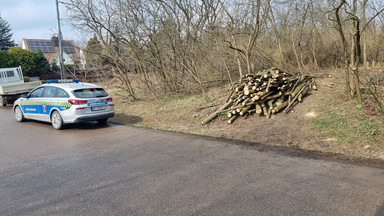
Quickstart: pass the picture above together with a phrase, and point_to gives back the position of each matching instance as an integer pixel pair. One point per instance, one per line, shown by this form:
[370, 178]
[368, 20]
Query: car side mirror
[25, 95]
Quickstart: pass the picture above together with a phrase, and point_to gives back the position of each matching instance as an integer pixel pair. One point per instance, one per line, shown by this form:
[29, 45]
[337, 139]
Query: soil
[295, 130]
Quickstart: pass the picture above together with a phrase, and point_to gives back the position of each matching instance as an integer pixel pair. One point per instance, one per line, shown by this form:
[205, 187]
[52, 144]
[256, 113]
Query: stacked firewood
[264, 93]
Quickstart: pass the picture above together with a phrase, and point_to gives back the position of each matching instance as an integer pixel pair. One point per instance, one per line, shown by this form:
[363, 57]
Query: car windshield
[90, 93]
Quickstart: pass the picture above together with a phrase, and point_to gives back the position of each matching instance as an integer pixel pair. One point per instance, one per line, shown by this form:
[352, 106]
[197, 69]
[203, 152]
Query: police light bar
[63, 81]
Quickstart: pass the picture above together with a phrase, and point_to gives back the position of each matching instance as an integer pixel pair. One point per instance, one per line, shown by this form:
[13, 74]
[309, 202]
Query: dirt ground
[326, 121]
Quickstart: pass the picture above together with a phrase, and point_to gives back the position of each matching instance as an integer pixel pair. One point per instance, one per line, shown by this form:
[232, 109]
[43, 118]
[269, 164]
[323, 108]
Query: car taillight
[77, 102]
[109, 99]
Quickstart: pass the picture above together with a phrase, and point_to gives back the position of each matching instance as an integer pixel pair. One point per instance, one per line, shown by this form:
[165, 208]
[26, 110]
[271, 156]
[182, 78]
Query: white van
[12, 85]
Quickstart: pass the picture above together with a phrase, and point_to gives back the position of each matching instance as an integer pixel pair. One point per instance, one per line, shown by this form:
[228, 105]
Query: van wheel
[3, 101]
[56, 120]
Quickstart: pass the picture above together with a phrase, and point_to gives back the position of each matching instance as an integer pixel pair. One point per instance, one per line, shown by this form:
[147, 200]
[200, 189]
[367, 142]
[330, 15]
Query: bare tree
[247, 20]
[186, 46]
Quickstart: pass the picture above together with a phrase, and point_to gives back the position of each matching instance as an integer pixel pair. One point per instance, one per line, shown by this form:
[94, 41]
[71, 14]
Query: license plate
[98, 108]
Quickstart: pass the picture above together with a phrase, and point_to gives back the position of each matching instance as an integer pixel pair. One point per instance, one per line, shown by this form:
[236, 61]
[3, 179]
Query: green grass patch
[122, 92]
[224, 114]
[330, 102]
[359, 107]
[348, 128]
[380, 110]
[184, 100]
[165, 127]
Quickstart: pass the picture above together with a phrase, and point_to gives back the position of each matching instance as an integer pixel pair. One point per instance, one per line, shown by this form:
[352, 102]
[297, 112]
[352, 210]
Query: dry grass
[325, 121]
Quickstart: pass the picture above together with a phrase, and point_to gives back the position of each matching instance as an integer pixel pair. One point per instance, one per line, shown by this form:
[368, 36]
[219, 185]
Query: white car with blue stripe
[64, 102]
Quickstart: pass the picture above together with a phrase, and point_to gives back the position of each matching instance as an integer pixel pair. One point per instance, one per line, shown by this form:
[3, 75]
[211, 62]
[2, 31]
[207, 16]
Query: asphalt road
[121, 170]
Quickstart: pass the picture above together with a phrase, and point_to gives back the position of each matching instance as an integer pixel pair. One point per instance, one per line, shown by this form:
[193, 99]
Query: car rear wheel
[19, 116]
[56, 120]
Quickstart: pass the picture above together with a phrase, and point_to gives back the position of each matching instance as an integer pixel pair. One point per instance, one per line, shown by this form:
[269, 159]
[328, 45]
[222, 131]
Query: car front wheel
[56, 120]
[19, 116]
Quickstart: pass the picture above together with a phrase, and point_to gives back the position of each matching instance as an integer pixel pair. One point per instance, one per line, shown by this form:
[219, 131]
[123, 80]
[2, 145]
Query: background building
[50, 49]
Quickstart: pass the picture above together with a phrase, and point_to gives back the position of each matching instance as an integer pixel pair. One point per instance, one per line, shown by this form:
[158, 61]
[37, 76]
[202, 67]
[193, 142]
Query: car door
[61, 98]
[47, 101]
[31, 105]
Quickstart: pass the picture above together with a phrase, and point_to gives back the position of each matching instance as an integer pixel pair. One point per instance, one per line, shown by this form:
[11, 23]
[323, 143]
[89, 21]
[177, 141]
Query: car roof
[72, 86]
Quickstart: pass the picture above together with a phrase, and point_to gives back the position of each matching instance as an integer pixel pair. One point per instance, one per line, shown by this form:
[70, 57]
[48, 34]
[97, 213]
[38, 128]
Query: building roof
[50, 48]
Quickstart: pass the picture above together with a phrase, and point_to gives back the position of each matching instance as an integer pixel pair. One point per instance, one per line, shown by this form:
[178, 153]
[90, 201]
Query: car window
[61, 93]
[36, 93]
[49, 91]
[90, 93]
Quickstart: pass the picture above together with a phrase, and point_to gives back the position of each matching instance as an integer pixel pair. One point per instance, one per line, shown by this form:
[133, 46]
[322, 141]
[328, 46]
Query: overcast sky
[36, 19]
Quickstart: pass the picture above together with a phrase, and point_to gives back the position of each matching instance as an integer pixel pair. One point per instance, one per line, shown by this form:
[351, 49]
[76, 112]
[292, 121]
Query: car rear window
[90, 93]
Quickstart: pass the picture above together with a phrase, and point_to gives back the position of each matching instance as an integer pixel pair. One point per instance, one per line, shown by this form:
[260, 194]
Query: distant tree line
[32, 63]
[177, 46]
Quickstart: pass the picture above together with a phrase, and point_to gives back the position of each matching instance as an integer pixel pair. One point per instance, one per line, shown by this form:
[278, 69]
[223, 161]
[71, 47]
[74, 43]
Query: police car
[63, 102]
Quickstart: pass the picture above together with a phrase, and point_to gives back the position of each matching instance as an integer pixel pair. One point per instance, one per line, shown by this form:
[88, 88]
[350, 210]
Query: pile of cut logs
[264, 93]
